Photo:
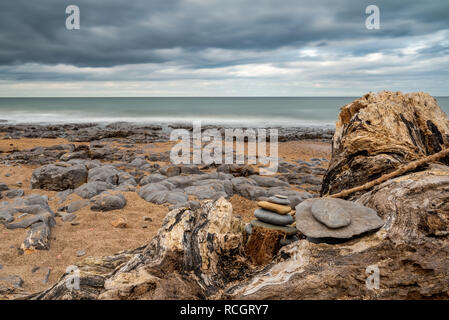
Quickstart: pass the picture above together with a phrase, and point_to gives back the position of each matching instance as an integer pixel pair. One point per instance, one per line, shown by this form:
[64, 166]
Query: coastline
[26, 147]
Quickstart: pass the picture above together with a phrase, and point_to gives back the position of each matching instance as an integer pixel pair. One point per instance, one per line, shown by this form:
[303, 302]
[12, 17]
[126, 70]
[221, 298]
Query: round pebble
[330, 214]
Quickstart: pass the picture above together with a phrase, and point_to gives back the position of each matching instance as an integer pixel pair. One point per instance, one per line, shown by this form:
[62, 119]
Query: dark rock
[108, 201]
[58, 178]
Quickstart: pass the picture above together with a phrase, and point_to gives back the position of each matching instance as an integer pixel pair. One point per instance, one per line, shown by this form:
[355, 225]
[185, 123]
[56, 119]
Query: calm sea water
[232, 111]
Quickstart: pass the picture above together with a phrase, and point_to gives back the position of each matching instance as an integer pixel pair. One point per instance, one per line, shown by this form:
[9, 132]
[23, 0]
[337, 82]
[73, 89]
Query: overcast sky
[222, 48]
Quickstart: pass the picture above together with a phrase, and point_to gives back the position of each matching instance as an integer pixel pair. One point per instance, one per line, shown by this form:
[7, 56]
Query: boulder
[91, 189]
[108, 174]
[108, 201]
[58, 178]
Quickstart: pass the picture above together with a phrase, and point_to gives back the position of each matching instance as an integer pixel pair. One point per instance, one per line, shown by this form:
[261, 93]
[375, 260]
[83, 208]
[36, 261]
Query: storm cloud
[199, 47]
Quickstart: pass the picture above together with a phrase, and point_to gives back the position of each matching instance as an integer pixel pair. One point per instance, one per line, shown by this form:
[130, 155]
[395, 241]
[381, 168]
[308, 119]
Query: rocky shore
[224, 231]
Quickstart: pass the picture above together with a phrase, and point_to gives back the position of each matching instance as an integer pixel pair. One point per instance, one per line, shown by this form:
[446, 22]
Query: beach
[24, 148]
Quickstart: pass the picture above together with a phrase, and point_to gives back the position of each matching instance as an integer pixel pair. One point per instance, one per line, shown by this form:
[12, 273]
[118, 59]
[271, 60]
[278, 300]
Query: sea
[238, 111]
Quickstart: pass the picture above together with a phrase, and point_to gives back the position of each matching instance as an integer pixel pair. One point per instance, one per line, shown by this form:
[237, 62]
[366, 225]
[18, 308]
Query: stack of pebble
[275, 214]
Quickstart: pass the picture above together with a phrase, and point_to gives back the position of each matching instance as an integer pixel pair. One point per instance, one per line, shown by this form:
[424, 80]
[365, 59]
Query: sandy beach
[95, 234]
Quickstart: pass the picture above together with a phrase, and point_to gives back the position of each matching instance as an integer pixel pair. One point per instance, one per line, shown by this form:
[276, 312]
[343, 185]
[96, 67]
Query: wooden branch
[408, 167]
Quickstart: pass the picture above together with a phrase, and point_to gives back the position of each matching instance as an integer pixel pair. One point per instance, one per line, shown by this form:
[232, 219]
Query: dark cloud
[255, 45]
[128, 32]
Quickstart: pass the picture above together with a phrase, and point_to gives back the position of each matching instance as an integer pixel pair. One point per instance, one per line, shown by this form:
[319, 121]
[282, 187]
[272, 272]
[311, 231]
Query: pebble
[119, 223]
[47, 275]
[273, 218]
[278, 208]
[276, 199]
[149, 219]
[288, 240]
[287, 230]
[35, 269]
[80, 253]
[1, 266]
[330, 214]
[75, 223]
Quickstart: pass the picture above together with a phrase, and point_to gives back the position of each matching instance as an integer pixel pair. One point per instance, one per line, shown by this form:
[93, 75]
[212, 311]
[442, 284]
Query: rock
[190, 169]
[77, 205]
[273, 218]
[68, 217]
[47, 276]
[379, 132]
[80, 253]
[14, 281]
[330, 213]
[38, 238]
[108, 174]
[363, 219]
[170, 171]
[91, 189]
[159, 193]
[149, 219]
[3, 186]
[108, 201]
[283, 200]
[265, 181]
[75, 223]
[62, 195]
[287, 230]
[58, 178]
[281, 209]
[119, 223]
[288, 240]
[153, 178]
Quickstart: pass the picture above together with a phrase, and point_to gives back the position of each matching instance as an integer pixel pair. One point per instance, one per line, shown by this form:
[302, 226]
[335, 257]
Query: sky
[222, 48]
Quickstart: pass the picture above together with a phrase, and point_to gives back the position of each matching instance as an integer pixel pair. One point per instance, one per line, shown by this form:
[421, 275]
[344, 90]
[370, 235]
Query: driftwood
[404, 169]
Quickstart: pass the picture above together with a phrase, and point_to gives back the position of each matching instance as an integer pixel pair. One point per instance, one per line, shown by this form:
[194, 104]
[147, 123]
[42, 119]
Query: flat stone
[248, 228]
[277, 199]
[288, 240]
[77, 205]
[288, 230]
[280, 196]
[363, 219]
[330, 213]
[149, 219]
[75, 223]
[278, 208]
[273, 218]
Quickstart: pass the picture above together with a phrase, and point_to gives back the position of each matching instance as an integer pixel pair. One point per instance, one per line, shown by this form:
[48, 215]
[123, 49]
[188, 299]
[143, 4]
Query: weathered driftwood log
[195, 254]
[380, 132]
[410, 252]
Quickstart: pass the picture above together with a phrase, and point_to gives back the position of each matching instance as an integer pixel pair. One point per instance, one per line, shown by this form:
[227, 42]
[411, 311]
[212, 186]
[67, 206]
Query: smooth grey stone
[14, 193]
[107, 201]
[363, 219]
[248, 228]
[287, 230]
[330, 213]
[273, 218]
[278, 200]
[265, 181]
[77, 205]
[91, 189]
[3, 186]
[68, 217]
